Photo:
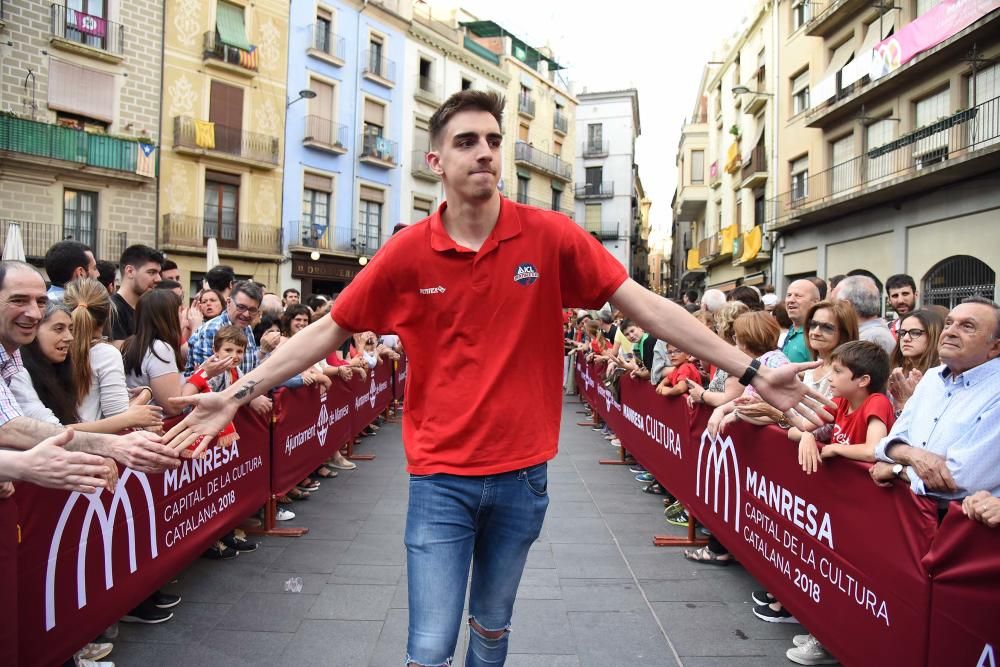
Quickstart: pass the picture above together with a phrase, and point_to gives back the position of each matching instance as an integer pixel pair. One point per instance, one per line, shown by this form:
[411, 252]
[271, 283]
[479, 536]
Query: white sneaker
[810, 653]
[284, 515]
[616, 443]
[91, 663]
[95, 651]
[801, 640]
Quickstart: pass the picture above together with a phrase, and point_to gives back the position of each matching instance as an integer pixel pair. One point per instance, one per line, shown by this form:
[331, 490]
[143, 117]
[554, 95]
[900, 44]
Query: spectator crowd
[92, 365]
[917, 398]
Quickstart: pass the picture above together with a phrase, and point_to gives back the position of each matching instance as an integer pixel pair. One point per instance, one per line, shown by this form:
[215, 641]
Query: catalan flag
[145, 164]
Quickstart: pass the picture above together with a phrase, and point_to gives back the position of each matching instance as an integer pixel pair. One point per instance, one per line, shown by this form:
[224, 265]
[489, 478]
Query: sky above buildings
[657, 46]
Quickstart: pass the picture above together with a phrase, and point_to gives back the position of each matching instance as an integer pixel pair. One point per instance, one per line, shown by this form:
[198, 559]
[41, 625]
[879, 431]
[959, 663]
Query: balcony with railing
[84, 33]
[603, 190]
[427, 90]
[327, 45]
[526, 106]
[195, 137]
[538, 203]
[379, 151]
[604, 231]
[419, 168]
[190, 232]
[830, 15]
[756, 99]
[560, 123]
[952, 149]
[714, 175]
[753, 171]
[38, 237]
[217, 53]
[595, 148]
[335, 239]
[26, 140]
[381, 70]
[325, 135]
[549, 164]
[709, 250]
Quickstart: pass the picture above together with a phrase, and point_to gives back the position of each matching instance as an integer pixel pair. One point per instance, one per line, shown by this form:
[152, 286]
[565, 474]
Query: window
[322, 105]
[556, 200]
[524, 102]
[522, 189]
[983, 87]
[801, 13]
[878, 134]
[595, 132]
[557, 148]
[924, 6]
[800, 92]
[226, 111]
[592, 220]
[800, 178]
[697, 166]
[369, 235]
[594, 177]
[324, 31]
[842, 161]
[374, 127]
[222, 196]
[421, 209]
[80, 216]
[375, 47]
[934, 148]
[759, 207]
[956, 278]
[77, 12]
[316, 193]
[739, 216]
[426, 82]
[522, 132]
[466, 84]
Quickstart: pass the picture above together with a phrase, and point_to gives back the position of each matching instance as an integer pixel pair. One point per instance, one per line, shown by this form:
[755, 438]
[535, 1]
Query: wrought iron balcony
[553, 165]
[327, 43]
[944, 151]
[754, 169]
[326, 135]
[379, 151]
[190, 232]
[427, 90]
[38, 237]
[538, 203]
[605, 231]
[320, 235]
[201, 137]
[560, 123]
[240, 60]
[81, 28]
[526, 106]
[603, 190]
[595, 149]
[23, 137]
[381, 70]
[419, 168]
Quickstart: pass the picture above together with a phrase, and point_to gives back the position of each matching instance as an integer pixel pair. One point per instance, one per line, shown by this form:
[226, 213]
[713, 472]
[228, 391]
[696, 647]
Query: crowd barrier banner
[372, 396]
[964, 563]
[86, 560]
[842, 554]
[8, 591]
[399, 378]
[309, 427]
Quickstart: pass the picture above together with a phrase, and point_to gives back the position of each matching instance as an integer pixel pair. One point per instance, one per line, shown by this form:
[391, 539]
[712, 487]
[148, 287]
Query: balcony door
[222, 208]
[595, 137]
[86, 22]
[321, 109]
[80, 216]
[226, 111]
[595, 175]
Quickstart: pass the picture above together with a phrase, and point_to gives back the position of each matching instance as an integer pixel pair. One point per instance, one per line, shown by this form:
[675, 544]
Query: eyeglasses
[246, 309]
[822, 326]
[912, 333]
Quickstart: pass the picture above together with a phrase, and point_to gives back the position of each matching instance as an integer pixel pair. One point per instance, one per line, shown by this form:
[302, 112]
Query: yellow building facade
[224, 101]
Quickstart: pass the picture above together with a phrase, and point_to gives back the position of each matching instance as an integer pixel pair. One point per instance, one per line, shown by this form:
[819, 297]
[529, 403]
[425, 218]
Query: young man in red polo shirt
[482, 414]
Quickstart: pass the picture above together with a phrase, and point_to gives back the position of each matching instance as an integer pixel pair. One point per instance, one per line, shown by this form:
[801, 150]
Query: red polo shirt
[482, 333]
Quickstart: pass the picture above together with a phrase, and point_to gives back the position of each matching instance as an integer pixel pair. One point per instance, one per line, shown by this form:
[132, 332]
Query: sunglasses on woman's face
[825, 327]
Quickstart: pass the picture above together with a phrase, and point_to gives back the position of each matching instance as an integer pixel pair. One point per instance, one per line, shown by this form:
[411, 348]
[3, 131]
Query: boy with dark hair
[683, 369]
[66, 261]
[169, 271]
[221, 277]
[106, 274]
[140, 268]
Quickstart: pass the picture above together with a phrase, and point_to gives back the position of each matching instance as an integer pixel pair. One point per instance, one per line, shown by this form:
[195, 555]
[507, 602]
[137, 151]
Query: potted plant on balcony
[736, 132]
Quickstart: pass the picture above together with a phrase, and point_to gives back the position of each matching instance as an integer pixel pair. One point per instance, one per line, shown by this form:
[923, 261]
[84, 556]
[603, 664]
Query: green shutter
[523, 173]
[229, 23]
[557, 185]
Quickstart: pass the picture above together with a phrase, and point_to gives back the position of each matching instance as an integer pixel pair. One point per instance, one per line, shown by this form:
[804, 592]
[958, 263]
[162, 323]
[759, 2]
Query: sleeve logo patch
[525, 274]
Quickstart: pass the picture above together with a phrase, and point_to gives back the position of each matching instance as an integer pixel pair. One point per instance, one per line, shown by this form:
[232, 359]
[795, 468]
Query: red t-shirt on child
[852, 427]
[686, 371]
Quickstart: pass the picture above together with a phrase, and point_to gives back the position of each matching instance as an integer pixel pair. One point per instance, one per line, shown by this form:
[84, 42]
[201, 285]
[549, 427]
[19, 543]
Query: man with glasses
[242, 308]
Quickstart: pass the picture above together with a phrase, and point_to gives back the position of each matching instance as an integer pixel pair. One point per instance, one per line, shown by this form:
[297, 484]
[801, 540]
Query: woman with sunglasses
[916, 351]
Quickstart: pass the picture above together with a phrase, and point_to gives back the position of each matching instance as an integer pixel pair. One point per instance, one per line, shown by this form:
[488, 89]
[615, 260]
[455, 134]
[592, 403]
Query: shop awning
[232, 30]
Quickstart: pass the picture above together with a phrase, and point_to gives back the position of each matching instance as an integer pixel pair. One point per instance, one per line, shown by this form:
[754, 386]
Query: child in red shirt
[860, 370]
[674, 383]
[229, 342]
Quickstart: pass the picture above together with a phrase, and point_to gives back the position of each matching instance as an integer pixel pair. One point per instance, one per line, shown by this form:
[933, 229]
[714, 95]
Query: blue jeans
[489, 522]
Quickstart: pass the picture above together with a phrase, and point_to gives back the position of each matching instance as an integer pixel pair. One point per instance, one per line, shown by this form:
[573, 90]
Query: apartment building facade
[343, 136]
[79, 123]
[224, 98]
[888, 161]
[606, 179]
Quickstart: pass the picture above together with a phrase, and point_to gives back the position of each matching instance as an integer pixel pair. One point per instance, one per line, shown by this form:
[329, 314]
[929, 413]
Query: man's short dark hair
[316, 301]
[284, 295]
[835, 280]
[983, 301]
[168, 265]
[820, 285]
[63, 259]
[863, 357]
[899, 280]
[220, 277]
[169, 284]
[106, 272]
[139, 255]
[692, 295]
[466, 100]
[248, 287]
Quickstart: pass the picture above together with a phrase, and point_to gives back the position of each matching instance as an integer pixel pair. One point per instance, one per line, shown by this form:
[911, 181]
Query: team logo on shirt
[433, 290]
[525, 274]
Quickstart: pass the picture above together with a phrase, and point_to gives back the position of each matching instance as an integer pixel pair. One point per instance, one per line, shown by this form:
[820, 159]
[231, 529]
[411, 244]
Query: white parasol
[13, 247]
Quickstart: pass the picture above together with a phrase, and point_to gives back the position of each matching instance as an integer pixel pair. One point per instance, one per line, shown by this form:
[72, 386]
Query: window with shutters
[800, 178]
[879, 134]
[80, 216]
[933, 149]
[317, 192]
[522, 132]
[594, 176]
[226, 112]
[842, 163]
[698, 167]
[800, 92]
[369, 232]
[374, 127]
[324, 30]
[592, 218]
[321, 123]
[222, 197]
[522, 189]
[557, 148]
[595, 138]
[422, 208]
[983, 87]
[375, 48]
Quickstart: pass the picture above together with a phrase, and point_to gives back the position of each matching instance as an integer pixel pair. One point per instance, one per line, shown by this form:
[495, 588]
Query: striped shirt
[10, 365]
[957, 418]
[200, 345]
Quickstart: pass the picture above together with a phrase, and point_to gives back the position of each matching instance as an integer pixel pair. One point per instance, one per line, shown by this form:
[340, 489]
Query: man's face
[799, 299]
[468, 157]
[22, 304]
[242, 309]
[291, 298]
[229, 349]
[634, 333]
[903, 299]
[969, 337]
[171, 274]
[92, 271]
[145, 277]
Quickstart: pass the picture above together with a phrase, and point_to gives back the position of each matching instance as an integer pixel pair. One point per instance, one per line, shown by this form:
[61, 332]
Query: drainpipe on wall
[159, 127]
[776, 260]
[358, 115]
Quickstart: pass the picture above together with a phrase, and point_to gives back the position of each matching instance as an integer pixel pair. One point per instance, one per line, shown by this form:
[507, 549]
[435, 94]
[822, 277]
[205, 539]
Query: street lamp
[303, 95]
[742, 90]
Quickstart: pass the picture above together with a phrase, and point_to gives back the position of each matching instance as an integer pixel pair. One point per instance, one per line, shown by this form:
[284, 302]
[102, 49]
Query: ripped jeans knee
[486, 646]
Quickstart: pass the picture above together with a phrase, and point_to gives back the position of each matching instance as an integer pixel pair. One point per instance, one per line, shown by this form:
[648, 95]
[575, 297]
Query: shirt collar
[508, 226]
[10, 364]
[973, 376]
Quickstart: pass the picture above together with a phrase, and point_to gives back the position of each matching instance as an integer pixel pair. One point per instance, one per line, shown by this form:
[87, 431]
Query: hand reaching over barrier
[212, 412]
[50, 465]
[982, 507]
[142, 451]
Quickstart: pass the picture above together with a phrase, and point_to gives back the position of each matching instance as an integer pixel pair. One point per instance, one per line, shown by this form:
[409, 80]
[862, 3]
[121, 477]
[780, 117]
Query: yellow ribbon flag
[204, 134]
[752, 242]
[693, 260]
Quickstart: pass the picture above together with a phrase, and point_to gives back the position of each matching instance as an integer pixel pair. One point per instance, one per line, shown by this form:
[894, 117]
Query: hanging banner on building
[87, 23]
[87, 559]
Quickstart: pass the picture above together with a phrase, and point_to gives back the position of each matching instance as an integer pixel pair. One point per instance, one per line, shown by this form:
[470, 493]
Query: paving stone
[590, 561]
[341, 643]
[541, 627]
[312, 556]
[255, 647]
[387, 575]
[619, 638]
[375, 549]
[343, 602]
[559, 508]
[603, 595]
[192, 622]
[687, 621]
[268, 612]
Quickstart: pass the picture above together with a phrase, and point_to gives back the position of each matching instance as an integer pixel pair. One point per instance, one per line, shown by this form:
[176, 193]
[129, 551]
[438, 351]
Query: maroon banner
[964, 563]
[371, 396]
[86, 560]
[8, 591]
[587, 378]
[400, 372]
[842, 554]
[309, 427]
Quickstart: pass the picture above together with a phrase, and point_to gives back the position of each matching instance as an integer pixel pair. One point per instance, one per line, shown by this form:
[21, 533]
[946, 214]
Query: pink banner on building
[88, 24]
[943, 21]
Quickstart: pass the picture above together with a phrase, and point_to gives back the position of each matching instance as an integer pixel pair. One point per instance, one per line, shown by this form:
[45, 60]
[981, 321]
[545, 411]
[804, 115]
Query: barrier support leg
[268, 526]
[622, 459]
[348, 451]
[690, 541]
[390, 413]
[594, 421]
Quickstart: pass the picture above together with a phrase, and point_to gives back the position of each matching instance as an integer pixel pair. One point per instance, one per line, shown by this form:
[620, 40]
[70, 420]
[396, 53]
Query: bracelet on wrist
[750, 373]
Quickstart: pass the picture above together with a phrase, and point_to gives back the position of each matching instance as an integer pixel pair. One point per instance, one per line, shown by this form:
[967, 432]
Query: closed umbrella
[13, 247]
[211, 255]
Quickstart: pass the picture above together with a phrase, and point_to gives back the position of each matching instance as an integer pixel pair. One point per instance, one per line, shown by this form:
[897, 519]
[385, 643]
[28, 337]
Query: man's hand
[142, 451]
[755, 408]
[6, 490]
[212, 411]
[48, 464]
[881, 474]
[345, 372]
[928, 466]
[261, 405]
[111, 473]
[782, 388]
[983, 507]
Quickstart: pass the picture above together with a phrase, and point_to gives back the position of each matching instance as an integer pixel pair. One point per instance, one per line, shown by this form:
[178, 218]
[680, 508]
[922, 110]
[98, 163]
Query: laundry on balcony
[145, 163]
[734, 160]
[204, 134]
[229, 23]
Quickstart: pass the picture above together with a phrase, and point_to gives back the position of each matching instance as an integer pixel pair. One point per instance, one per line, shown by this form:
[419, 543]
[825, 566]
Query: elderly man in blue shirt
[947, 441]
